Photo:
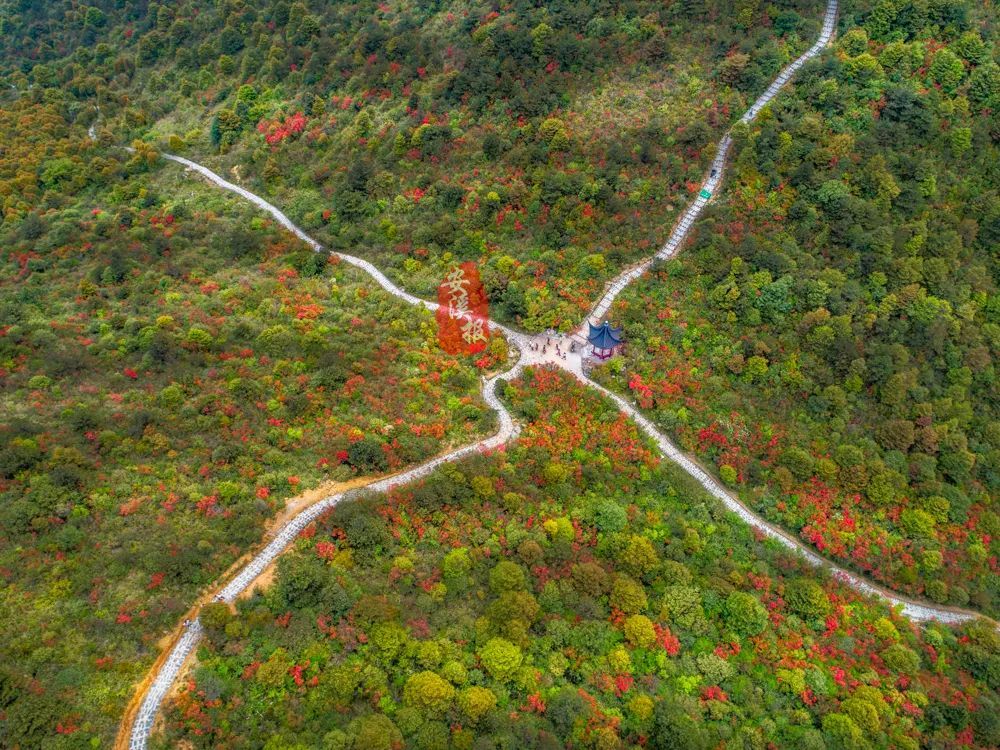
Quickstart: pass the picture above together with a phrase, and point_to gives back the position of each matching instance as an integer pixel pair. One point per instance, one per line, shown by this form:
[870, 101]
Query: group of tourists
[544, 348]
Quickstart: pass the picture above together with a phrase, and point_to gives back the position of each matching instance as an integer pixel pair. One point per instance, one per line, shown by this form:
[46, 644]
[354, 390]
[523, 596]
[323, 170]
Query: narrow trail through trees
[716, 172]
[529, 352]
[171, 667]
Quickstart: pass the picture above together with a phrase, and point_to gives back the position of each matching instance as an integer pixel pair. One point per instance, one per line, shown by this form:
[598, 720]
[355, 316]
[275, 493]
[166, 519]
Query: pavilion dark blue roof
[604, 336]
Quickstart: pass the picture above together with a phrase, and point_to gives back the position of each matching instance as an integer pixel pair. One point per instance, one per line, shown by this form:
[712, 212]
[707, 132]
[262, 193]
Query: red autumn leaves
[275, 131]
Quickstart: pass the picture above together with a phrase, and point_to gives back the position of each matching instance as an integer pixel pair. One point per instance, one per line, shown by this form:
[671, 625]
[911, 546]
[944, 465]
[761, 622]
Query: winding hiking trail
[171, 667]
[715, 173]
[530, 352]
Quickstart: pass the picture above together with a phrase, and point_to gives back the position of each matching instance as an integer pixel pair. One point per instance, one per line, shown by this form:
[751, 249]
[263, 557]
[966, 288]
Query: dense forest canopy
[602, 601]
[551, 142]
[174, 367]
[830, 339]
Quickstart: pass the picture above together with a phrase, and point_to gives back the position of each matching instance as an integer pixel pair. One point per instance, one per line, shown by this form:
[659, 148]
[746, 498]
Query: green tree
[476, 702]
[639, 558]
[387, 639]
[455, 566]
[947, 70]
[806, 598]
[682, 605]
[745, 614]
[214, 616]
[639, 631]
[230, 41]
[507, 576]
[225, 127]
[273, 672]
[917, 523]
[900, 658]
[628, 595]
[590, 578]
[798, 461]
[428, 692]
[95, 17]
[984, 87]
[374, 732]
[367, 455]
[501, 659]
[674, 729]
[841, 733]
[864, 714]
[854, 42]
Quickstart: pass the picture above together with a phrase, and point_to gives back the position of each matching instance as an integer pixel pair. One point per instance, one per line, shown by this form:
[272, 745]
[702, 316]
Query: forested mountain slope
[552, 142]
[173, 367]
[830, 339]
[569, 592]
